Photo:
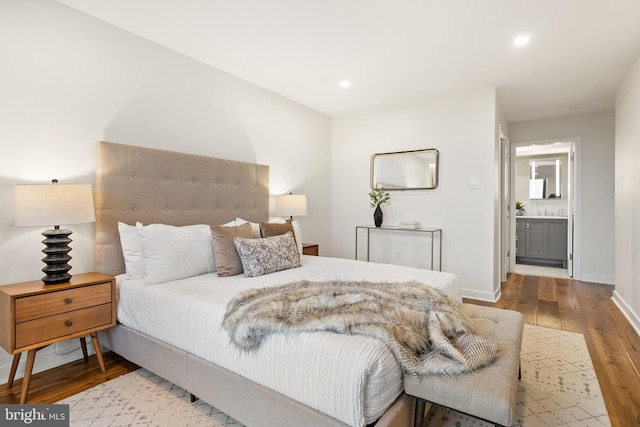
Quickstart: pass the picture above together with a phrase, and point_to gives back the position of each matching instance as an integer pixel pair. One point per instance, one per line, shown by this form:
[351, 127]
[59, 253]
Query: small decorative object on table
[406, 225]
[377, 197]
[519, 209]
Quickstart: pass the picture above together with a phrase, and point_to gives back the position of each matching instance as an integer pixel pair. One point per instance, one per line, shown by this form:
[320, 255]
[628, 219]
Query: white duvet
[351, 378]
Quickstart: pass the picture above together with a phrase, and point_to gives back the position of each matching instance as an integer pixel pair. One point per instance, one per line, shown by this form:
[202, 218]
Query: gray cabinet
[521, 237]
[541, 241]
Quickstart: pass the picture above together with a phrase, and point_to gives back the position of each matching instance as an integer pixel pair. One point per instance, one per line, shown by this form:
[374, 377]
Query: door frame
[574, 205]
[505, 210]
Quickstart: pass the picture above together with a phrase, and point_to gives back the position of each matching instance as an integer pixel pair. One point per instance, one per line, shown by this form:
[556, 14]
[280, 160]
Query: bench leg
[418, 417]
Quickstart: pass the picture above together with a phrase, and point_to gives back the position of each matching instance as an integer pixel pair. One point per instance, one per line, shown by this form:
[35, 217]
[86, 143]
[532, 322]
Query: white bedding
[351, 378]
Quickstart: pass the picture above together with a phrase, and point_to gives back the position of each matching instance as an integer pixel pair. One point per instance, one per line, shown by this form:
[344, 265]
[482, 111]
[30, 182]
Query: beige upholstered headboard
[157, 186]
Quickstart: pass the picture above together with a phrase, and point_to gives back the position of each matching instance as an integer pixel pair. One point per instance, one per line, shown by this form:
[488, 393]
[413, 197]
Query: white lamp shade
[291, 205]
[53, 204]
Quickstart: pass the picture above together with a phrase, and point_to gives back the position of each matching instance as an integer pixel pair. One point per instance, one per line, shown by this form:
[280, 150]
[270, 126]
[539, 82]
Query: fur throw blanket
[423, 328]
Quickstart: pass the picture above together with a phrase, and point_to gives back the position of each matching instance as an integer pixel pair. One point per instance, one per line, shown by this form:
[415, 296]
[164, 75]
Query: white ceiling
[396, 51]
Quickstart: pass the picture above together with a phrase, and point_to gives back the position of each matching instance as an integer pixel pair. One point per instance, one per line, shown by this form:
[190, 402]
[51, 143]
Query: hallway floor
[534, 270]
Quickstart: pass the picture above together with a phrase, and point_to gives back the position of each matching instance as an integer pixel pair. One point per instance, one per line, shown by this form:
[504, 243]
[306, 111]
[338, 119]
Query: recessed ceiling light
[521, 40]
[345, 84]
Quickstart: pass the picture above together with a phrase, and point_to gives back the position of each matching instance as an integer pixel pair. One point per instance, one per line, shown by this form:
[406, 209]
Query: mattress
[349, 377]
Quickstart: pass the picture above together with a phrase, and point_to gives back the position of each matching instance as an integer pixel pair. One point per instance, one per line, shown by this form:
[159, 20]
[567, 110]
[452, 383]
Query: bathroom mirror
[405, 170]
[545, 178]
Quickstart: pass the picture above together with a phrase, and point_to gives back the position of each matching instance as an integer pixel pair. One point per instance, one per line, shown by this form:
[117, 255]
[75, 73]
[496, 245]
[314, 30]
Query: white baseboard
[481, 296]
[628, 312]
[49, 357]
[597, 278]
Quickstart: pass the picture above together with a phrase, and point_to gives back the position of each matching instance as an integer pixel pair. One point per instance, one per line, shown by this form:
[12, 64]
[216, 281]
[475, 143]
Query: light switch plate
[474, 183]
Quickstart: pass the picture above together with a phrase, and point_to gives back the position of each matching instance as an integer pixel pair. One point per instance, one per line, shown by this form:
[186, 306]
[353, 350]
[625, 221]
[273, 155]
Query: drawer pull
[68, 300]
[68, 323]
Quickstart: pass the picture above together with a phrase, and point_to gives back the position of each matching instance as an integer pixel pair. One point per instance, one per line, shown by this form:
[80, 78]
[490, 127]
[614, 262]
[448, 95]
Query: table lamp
[51, 205]
[291, 205]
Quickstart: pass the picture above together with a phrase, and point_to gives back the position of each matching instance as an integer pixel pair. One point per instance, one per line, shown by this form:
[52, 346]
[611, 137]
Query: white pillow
[255, 227]
[172, 253]
[298, 233]
[131, 250]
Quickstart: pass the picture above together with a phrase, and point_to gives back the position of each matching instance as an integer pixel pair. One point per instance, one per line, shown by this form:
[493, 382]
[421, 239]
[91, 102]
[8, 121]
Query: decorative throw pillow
[297, 234]
[227, 258]
[131, 250]
[172, 253]
[267, 255]
[269, 229]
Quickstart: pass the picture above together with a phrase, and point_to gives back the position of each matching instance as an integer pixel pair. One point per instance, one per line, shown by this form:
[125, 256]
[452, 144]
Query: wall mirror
[545, 178]
[405, 170]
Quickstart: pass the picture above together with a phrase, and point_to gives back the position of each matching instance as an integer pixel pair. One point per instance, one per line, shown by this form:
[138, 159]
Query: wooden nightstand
[310, 249]
[34, 315]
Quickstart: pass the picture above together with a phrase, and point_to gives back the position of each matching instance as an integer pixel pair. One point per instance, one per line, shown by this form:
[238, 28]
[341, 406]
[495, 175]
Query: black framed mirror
[405, 170]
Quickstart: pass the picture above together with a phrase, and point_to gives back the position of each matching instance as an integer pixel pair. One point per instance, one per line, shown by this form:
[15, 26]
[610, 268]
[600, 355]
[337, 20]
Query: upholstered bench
[488, 393]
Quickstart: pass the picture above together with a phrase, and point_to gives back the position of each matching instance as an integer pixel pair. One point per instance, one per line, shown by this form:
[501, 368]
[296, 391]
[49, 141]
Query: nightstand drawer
[52, 327]
[43, 305]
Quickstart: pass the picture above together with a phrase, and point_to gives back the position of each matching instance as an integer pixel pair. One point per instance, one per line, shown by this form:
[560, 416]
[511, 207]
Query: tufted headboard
[157, 186]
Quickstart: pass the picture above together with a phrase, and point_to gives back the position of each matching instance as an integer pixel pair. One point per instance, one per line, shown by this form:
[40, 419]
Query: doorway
[543, 176]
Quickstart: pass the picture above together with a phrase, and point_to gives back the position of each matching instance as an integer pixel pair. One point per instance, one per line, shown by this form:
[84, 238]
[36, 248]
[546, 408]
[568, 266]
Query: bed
[318, 379]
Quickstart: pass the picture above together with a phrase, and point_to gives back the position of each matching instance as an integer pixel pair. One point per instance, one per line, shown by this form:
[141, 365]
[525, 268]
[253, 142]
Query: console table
[432, 232]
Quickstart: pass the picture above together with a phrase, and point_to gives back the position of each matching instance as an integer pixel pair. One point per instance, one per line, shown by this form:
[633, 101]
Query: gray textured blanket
[423, 328]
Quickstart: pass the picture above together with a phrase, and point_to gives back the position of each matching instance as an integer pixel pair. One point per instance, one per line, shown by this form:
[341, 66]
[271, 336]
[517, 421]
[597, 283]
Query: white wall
[68, 80]
[462, 128]
[597, 136]
[627, 230]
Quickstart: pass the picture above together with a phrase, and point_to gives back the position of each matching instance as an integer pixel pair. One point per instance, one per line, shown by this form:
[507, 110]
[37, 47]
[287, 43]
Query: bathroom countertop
[541, 217]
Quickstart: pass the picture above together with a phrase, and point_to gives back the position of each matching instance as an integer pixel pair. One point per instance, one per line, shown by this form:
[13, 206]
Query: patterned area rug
[558, 388]
[141, 398]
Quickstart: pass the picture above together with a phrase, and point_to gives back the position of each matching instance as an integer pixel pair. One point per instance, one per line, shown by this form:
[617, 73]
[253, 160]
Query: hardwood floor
[587, 308]
[553, 303]
[66, 380]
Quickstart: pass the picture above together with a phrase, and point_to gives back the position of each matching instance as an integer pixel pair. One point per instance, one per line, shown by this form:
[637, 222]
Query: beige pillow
[270, 229]
[227, 258]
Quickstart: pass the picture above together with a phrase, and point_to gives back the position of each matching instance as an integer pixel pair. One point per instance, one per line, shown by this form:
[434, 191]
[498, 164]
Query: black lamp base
[57, 256]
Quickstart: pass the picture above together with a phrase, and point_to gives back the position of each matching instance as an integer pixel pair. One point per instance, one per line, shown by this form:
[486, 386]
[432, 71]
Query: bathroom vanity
[541, 240]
